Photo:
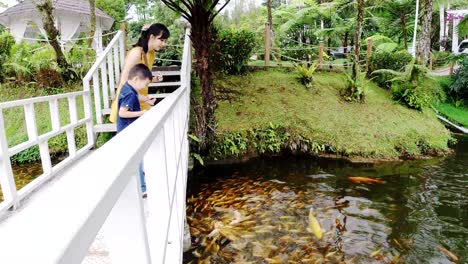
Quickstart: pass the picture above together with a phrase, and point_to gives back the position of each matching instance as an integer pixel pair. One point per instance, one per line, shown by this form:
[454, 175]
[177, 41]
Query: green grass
[457, 114]
[379, 128]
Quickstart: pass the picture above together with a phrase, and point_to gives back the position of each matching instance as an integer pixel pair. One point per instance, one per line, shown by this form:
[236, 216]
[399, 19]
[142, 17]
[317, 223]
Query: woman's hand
[158, 77]
[150, 102]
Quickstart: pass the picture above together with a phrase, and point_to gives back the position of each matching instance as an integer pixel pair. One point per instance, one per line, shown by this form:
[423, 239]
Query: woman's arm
[132, 59]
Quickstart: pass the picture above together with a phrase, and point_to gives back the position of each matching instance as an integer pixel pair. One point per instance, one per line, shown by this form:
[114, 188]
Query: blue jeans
[142, 177]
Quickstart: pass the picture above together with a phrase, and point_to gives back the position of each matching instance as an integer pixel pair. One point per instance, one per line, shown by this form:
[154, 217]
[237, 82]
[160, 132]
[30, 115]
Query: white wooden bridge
[56, 217]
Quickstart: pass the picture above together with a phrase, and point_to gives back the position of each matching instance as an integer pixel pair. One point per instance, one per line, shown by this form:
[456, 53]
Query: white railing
[102, 192]
[11, 195]
[105, 74]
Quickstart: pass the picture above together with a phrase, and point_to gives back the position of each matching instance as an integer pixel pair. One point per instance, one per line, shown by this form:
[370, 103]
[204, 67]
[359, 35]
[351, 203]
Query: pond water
[262, 211]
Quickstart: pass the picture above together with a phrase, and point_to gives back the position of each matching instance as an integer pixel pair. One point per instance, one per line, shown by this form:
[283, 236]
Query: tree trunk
[329, 46]
[201, 41]
[357, 49]
[270, 18]
[92, 31]
[345, 43]
[46, 9]
[425, 41]
[405, 32]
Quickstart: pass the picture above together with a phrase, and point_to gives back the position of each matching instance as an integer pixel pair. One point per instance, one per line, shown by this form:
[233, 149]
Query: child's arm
[125, 113]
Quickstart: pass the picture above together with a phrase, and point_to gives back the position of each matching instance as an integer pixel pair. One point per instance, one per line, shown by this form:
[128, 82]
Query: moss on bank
[269, 111]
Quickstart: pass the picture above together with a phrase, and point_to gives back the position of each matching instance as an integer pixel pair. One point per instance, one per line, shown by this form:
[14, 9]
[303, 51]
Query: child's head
[154, 37]
[139, 76]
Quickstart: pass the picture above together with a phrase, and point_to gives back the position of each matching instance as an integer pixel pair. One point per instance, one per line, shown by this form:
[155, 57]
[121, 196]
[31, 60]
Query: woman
[153, 38]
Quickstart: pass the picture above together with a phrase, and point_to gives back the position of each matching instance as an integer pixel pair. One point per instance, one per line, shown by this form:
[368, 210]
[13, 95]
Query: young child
[129, 107]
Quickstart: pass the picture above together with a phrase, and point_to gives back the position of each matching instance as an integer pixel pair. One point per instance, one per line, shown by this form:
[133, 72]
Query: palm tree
[200, 14]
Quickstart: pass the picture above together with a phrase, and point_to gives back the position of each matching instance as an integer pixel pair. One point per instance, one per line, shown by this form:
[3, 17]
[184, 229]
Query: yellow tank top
[151, 54]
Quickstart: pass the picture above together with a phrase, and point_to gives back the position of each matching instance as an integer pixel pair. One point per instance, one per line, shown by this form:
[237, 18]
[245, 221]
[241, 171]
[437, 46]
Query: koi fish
[314, 225]
[365, 180]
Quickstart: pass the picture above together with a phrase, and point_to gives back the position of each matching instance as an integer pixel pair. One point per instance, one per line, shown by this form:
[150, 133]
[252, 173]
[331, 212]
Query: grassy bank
[456, 114]
[269, 111]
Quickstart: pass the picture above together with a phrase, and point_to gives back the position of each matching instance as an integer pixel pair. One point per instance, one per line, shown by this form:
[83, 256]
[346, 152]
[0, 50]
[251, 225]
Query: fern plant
[306, 74]
[406, 85]
[355, 89]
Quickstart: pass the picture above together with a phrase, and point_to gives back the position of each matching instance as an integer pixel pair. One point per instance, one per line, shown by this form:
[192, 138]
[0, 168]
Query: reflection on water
[258, 212]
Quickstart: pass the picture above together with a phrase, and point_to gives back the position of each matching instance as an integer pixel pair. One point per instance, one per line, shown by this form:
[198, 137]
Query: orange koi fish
[365, 180]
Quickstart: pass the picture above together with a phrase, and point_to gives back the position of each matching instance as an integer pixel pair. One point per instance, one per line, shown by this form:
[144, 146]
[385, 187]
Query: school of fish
[241, 220]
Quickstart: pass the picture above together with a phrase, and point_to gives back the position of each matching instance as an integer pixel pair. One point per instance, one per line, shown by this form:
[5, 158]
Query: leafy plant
[232, 49]
[459, 82]
[43, 58]
[6, 43]
[306, 74]
[407, 86]
[355, 89]
[387, 60]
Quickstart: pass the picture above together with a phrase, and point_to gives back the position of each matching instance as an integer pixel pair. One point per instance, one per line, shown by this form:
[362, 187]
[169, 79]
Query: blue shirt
[128, 98]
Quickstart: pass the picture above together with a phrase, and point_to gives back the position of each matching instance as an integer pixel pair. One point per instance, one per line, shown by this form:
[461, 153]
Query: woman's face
[156, 42]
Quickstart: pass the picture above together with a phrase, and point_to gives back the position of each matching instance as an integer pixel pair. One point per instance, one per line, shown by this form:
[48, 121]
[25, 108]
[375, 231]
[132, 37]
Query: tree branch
[217, 12]
[177, 8]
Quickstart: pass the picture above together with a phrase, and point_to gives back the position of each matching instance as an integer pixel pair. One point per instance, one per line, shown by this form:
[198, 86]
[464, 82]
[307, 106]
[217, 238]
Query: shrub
[386, 60]
[459, 83]
[413, 96]
[412, 87]
[43, 58]
[6, 43]
[48, 78]
[19, 63]
[232, 49]
[81, 58]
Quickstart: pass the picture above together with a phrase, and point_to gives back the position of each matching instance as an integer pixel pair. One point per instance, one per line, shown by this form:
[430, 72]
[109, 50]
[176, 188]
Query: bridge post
[7, 182]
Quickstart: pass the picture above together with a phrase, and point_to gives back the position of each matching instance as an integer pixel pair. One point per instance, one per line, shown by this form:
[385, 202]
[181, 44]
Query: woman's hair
[156, 30]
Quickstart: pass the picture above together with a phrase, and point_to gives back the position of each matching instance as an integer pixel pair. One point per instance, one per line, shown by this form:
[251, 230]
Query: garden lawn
[379, 128]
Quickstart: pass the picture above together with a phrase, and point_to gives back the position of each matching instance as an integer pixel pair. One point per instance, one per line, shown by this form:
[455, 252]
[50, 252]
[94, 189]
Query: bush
[232, 49]
[385, 60]
[6, 43]
[19, 63]
[413, 96]
[43, 58]
[459, 83]
[81, 58]
[413, 87]
[48, 78]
